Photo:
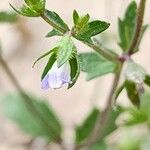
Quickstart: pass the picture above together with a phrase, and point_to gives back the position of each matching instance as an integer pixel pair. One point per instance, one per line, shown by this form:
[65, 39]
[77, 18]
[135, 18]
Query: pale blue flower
[57, 77]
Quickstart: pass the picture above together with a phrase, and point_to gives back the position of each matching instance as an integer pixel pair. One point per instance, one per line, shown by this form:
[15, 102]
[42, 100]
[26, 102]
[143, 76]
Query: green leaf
[111, 125]
[99, 146]
[49, 65]
[147, 80]
[75, 69]
[92, 28]
[82, 21]
[132, 93]
[95, 65]
[141, 115]
[83, 131]
[145, 103]
[127, 26]
[137, 116]
[15, 108]
[36, 5]
[75, 17]
[55, 18]
[26, 11]
[8, 17]
[54, 33]
[66, 49]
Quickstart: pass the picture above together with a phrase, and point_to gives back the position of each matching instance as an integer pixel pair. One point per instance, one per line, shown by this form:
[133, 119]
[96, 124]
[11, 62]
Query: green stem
[138, 29]
[27, 100]
[55, 26]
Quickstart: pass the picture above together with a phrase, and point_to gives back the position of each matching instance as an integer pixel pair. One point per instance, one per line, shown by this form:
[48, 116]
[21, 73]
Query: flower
[57, 76]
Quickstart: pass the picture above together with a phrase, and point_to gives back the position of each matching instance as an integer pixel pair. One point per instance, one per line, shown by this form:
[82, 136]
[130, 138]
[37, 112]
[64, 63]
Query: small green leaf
[127, 26]
[55, 18]
[49, 65]
[92, 28]
[83, 20]
[147, 80]
[26, 11]
[132, 93]
[36, 5]
[54, 33]
[66, 49]
[95, 65]
[75, 17]
[14, 107]
[8, 17]
[75, 69]
[83, 131]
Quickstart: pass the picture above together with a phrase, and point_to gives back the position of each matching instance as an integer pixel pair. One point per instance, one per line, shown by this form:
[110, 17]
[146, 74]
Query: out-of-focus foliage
[95, 65]
[127, 27]
[8, 17]
[29, 119]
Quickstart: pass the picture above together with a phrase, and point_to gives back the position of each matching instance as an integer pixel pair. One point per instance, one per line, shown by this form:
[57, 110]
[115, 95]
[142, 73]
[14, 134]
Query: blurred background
[24, 41]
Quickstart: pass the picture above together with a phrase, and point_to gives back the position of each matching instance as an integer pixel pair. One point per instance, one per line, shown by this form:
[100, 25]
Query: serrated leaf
[75, 17]
[54, 33]
[8, 17]
[95, 65]
[49, 65]
[14, 107]
[93, 28]
[127, 26]
[56, 19]
[83, 131]
[132, 93]
[66, 50]
[75, 69]
[26, 11]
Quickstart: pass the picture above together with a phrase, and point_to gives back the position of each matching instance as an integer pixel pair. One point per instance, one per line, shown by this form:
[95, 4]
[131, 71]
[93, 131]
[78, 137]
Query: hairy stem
[138, 29]
[27, 99]
[97, 133]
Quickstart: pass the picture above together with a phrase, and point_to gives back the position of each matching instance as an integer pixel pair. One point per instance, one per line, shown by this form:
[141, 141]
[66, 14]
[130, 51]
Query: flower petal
[65, 73]
[54, 80]
[45, 84]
